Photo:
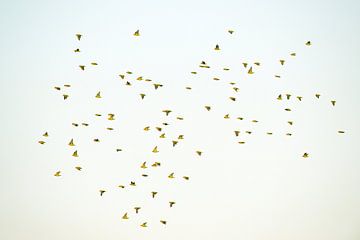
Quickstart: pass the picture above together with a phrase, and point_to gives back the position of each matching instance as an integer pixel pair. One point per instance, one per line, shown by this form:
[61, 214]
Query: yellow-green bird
[78, 36]
[137, 33]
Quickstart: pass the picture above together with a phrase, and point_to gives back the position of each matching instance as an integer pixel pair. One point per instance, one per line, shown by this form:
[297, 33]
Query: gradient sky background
[263, 189]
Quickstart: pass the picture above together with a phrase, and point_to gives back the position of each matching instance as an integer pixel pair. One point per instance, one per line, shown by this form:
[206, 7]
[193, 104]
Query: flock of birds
[250, 69]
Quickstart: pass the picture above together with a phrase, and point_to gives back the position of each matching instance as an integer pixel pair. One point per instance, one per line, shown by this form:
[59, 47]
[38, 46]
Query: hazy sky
[263, 189]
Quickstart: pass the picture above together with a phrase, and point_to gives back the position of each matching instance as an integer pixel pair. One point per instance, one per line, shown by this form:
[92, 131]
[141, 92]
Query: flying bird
[71, 143]
[137, 33]
[155, 150]
[78, 36]
[125, 216]
[153, 194]
[137, 209]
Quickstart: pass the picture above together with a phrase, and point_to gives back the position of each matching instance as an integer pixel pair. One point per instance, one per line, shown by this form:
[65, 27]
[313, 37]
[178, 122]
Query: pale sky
[263, 189]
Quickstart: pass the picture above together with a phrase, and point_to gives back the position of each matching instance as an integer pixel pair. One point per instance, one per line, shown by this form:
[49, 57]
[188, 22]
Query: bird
[96, 140]
[153, 194]
[133, 184]
[157, 85]
[147, 128]
[308, 43]
[171, 203]
[75, 124]
[121, 186]
[186, 177]
[102, 192]
[208, 108]
[78, 36]
[65, 96]
[71, 143]
[57, 174]
[142, 95]
[82, 67]
[155, 150]
[174, 142]
[232, 99]
[181, 137]
[57, 88]
[333, 102]
[317, 95]
[75, 154]
[237, 133]
[341, 131]
[94, 63]
[137, 209]
[241, 142]
[143, 165]
[305, 155]
[163, 222]
[227, 116]
[171, 176]
[299, 97]
[217, 48]
[125, 216]
[250, 71]
[257, 63]
[85, 124]
[143, 225]
[111, 116]
[162, 135]
[245, 64]
[199, 153]
[288, 96]
[290, 122]
[287, 109]
[77, 50]
[98, 95]
[293, 54]
[231, 31]
[282, 61]
[67, 85]
[137, 33]
[46, 134]
[167, 112]
[78, 168]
